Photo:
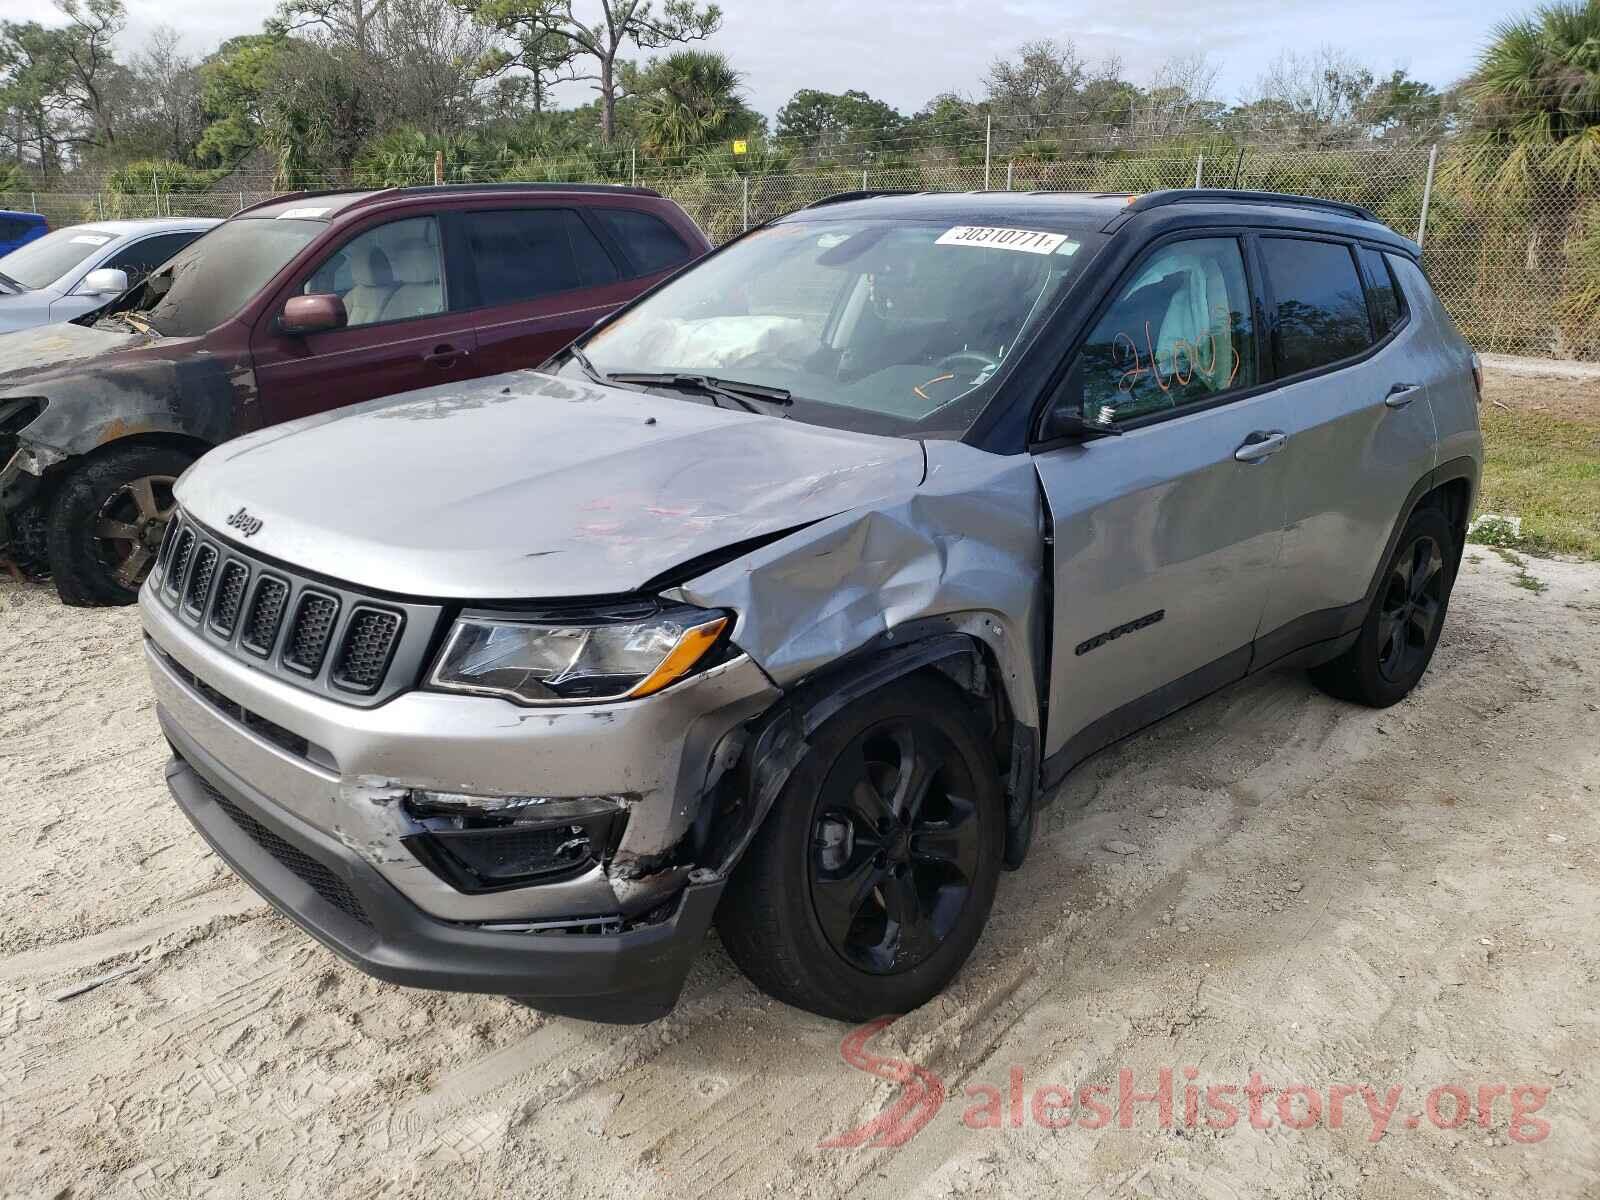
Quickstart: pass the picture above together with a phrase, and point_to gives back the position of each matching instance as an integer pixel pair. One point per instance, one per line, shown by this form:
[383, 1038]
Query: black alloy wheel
[869, 883]
[895, 846]
[1413, 599]
[1403, 621]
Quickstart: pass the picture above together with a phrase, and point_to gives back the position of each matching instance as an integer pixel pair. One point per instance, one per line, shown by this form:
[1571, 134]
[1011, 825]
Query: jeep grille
[322, 636]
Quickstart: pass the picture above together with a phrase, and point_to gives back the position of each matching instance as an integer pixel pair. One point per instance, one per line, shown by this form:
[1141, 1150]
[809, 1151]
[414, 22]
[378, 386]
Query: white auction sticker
[91, 239]
[301, 214]
[1029, 241]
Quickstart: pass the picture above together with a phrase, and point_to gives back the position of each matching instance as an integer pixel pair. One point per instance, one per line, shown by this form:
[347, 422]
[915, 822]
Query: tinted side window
[139, 259]
[1382, 295]
[12, 228]
[1322, 311]
[1178, 333]
[647, 239]
[523, 254]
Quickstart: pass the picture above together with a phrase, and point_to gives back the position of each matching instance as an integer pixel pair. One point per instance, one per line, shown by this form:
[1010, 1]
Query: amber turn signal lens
[691, 648]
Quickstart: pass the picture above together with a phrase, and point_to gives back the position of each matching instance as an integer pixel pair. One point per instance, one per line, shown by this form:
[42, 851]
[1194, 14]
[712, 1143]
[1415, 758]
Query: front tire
[1402, 627]
[106, 523]
[870, 882]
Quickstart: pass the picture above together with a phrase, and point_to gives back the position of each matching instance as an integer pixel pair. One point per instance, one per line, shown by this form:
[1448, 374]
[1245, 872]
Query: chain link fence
[1517, 263]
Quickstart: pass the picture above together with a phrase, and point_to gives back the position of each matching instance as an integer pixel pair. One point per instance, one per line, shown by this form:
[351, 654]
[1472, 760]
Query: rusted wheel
[107, 521]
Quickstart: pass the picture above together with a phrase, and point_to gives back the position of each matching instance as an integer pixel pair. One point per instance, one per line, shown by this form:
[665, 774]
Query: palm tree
[1536, 90]
[1535, 98]
[688, 99]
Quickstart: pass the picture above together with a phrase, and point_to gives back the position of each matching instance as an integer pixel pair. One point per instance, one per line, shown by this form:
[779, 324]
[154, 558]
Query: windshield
[43, 261]
[882, 326]
[213, 277]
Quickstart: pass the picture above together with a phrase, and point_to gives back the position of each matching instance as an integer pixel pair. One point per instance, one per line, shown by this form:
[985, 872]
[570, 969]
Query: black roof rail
[1228, 195]
[845, 197]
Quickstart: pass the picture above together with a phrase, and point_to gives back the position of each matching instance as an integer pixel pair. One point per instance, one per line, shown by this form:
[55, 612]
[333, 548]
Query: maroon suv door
[404, 332]
[541, 275]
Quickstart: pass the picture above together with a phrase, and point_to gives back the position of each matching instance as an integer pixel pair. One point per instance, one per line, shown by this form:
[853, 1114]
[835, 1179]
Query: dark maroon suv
[303, 304]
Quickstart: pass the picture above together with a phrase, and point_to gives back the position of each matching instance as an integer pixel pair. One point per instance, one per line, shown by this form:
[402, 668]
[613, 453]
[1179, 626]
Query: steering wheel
[969, 358]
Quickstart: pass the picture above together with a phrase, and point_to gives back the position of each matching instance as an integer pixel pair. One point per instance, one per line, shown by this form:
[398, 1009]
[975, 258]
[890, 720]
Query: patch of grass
[1529, 583]
[1526, 582]
[1546, 470]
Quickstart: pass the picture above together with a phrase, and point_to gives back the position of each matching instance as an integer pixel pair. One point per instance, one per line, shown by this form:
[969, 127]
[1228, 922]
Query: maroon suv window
[647, 240]
[525, 254]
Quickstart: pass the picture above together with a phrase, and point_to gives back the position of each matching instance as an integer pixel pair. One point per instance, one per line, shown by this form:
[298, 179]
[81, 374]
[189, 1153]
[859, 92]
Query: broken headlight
[620, 654]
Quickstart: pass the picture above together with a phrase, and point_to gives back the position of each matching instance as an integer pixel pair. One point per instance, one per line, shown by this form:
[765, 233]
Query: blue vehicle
[20, 228]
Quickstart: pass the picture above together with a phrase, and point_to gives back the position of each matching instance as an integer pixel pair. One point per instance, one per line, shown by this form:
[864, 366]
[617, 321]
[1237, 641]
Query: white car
[75, 270]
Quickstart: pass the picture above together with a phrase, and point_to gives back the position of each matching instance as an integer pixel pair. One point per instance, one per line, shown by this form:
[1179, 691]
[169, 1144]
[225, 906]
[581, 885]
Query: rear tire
[106, 522]
[871, 880]
[1402, 627]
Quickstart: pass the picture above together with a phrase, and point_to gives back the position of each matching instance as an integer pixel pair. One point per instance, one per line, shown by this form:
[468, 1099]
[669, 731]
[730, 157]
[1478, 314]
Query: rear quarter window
[648, 241]
[1383, 296]
[1321, 306]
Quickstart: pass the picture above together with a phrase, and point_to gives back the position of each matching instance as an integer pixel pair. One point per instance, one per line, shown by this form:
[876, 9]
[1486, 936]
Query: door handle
[1402, 394]
[444, 355]
[1263, 443]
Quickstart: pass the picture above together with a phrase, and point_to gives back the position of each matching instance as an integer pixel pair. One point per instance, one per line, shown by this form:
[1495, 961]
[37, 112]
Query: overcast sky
[905, 51]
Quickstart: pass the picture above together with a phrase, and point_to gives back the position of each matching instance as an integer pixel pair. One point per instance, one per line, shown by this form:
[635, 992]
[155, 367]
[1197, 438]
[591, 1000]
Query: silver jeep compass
[784, 596]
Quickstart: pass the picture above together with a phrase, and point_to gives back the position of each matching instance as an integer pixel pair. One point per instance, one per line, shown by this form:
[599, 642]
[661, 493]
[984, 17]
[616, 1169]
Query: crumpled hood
[31, 358]
[529, 486]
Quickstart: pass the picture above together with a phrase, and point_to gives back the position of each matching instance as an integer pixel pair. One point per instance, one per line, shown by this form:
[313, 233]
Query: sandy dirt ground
[1569, 390]
[1271, 882]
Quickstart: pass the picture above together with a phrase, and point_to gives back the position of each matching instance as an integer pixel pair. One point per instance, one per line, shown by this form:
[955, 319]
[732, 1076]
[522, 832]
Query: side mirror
[107, 281]
[313, 314]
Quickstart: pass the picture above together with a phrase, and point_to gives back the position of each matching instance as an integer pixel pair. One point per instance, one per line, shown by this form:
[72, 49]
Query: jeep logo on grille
[245, 523]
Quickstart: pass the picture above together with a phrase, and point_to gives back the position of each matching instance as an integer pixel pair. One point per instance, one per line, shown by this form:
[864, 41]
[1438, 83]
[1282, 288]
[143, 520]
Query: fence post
[988, 146]
[155, 192]
[1199, 167]
[241, 200]
[745, 180]
[1011, 168]
[633, 165]
[1427, 194]
[33, 198]
[438, 167]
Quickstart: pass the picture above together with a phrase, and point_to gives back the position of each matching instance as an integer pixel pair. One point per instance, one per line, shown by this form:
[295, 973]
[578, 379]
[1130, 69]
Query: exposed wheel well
[1454, 499]
[176, 441]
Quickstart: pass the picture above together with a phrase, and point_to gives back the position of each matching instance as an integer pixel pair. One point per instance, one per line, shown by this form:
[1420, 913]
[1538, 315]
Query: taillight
[1477, 376]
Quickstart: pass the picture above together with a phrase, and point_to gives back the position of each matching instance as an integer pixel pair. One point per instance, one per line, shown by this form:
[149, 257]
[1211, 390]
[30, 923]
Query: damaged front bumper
[600, 972]
[306, 799]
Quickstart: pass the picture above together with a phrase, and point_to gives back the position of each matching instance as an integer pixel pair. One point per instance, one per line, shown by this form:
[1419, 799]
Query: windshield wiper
[582, 359]
[729, 389]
